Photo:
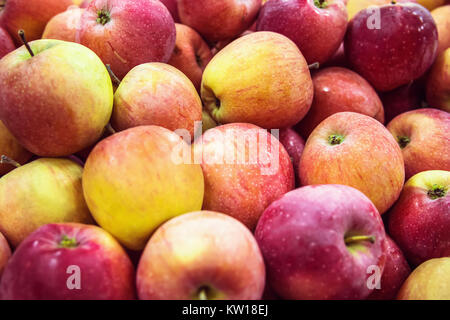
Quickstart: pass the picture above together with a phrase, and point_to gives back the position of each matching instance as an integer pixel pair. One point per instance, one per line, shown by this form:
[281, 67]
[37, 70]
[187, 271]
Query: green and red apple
[10, 147]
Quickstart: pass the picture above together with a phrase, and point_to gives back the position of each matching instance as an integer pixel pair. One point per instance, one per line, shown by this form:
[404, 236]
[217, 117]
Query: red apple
[191, 54]
[441, 17]
[85, 3]
[318, 242]
[395, 272]
[392, 45]
[420, 220]
[5, 253]
[10, 147]
[338, 59]
[172, 6]
[218, 19]
[201, 255]
[316, 26]
[6, 43]
[64, 25]
[47, 265]
[336, 90]
[30, 16]
[423, 137]
[156, 94]
[245, 169]
[294, 145]
[126, 33]
[438, 82]
[356, 150]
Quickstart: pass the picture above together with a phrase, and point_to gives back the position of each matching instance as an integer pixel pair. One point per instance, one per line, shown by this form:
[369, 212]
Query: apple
[46, 266]
[56, 102]
[64, 25]
[355, 6]
[133, 181]
[322, 24]
[10, 148]
[395, 272]
[261, 78]
[46, 190]
[431, 4]
[338, 59]
[319, 241]
[207, 121]
[6, 43]
[218, 19]
[405, 98]
[440, 16]
[245, 169]
[438, 82]
[336, 90]
[191, 54]
[419, 221]
[172, 6]
[85, 3]
[356, 150]
[5, 253]
[423, 138]
[294, 145]
[429, 281]
[30, 16]
[221, 260]
[156, 94]
[127, 33]
[397, 49]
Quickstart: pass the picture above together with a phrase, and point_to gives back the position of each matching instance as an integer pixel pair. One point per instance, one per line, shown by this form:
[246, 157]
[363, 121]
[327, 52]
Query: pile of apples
[115, 116]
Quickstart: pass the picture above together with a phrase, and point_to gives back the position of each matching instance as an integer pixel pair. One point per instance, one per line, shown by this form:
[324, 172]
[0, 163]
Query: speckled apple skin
[172, 6]
[139, 32]
[402, 49]
[317, 32]
[201, 249]
[301, 236]
[438, 82]
[419, 224]
[429, 146]
[64, 26]
[6, 43]
[38, 268]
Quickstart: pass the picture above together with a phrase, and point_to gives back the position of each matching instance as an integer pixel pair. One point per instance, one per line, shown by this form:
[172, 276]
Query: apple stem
[335, 139]
[67, 242]
[403, 141]
[113, 75]
[110, 129]
[437, 192]
[314, 66]
[5, 159]
[353, 239]
[322, 4]
[25, 42]
[202, 295]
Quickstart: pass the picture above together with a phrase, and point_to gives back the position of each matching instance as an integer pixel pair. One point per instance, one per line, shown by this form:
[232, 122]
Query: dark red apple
[393, 45]
[318, 242]
[294, 145]
[316, 26]
[66, 262]
[172, 6]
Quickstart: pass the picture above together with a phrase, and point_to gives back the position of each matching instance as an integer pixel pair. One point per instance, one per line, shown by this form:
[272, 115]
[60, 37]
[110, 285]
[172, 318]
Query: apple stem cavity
[314, 66]
[67, 242]
[5, 160]
[321, 4]
[403, 141]
[110, 129]
[335, 139]
[25, 42]
[113, 76]
[352, 239]
[437, 192]
[103, 17]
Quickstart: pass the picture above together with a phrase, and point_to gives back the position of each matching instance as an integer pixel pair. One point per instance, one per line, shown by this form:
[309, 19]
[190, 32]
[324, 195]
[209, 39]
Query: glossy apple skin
[218, 252]
[38, 269]
[322, 29]
[52, 189]
[354, 6]
[438, 82]
[337, 90]
[218, 20]
[275, 91]
[418, 223]
[172, 6]
[429, 281]
[368, 159]
[5, 253]
[121, 42]
[64, 25]
[427, 130]
[294, 145]
[30, 16]
[405, 98]
[132, 183]
[191, 54]
[10, 147]
[440, 16]
[243, 190]
[400, 51]
[156, 94]
[65, 102]
[395, 272]
[301, 236]
[6, 43]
